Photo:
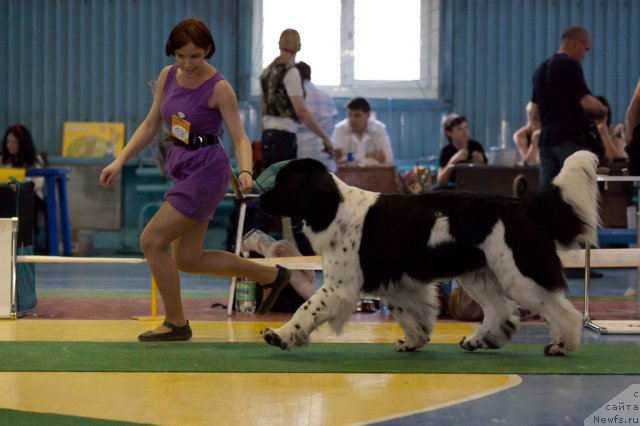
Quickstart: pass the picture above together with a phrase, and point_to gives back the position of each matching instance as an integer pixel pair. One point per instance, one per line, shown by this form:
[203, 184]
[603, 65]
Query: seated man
[361, 139]
[460, 149]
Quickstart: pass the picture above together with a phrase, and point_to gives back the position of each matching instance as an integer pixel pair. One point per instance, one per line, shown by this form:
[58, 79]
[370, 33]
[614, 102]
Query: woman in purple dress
[193, 99]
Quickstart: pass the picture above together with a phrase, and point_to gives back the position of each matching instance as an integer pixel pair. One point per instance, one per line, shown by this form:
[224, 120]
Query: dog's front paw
[271, 337]
[556, 349]
[473, 343]
[470, 344]
[402, 346]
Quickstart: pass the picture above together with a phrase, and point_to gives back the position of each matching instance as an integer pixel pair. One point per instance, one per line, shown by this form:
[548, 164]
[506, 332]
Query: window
[318, 22]
[380, 32]
[356, 47]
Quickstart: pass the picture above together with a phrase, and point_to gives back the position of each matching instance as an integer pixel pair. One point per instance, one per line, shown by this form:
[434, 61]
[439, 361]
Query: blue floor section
[614, 282]
[539, 400]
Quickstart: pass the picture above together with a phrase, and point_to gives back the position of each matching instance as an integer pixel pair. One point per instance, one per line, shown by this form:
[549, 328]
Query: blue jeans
[551, 161]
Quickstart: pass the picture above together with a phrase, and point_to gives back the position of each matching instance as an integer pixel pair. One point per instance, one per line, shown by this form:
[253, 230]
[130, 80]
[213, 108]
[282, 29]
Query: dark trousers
[279, 145]
[551, 161]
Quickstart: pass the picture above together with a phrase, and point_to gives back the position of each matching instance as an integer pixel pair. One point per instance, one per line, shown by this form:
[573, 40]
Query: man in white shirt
[361, 139]
[321, 106]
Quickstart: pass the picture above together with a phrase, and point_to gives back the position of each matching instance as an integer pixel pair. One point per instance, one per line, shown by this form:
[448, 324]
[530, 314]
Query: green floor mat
[316, 358]
[26, 418]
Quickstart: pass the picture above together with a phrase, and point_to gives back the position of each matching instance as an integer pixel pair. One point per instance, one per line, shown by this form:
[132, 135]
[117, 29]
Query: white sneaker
[630, 292]
[256, 240]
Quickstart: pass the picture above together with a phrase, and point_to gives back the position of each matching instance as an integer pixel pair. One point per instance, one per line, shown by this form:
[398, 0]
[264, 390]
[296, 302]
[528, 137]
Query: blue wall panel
[497, 45]
[91, 60]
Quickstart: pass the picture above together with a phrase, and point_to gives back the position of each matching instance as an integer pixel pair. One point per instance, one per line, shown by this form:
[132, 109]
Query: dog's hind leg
[415, 306]
[562, 318]
[501, 319]
[565, 324]
[564, 321]
[331, 303]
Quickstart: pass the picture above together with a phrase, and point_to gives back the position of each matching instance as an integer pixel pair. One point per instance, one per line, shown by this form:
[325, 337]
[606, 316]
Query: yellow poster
[87, 139]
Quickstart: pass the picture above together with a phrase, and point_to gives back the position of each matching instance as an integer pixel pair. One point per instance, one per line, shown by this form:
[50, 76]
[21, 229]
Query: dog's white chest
[440, 232]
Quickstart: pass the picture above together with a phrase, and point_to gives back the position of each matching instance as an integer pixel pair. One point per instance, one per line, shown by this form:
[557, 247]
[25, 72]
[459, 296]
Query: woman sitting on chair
[19, 151]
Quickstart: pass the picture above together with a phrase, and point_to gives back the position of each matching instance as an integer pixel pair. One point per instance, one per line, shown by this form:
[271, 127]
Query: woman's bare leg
[186, 236]
[163, 228]
[190, 257]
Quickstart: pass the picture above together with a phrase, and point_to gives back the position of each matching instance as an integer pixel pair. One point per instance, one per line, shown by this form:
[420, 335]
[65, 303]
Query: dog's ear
[302, 166]
[321, 195]
[304, 188]
[290, 195]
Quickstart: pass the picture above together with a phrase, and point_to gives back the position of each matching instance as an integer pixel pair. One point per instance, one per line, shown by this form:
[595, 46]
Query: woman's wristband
[246, 171]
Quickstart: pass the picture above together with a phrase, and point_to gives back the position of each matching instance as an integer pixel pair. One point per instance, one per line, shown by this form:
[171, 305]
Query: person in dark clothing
[633, 132]
[564, 103]
[460, 149]
[632, 117]
[19, 151]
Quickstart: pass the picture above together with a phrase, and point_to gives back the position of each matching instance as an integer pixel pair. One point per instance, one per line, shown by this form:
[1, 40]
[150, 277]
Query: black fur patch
[304, 189]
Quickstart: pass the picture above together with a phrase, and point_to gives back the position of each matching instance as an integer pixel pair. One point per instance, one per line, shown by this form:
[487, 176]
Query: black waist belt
[197, 141]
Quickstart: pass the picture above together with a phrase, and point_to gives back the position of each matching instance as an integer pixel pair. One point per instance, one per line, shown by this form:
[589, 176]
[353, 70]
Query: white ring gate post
[8, 244]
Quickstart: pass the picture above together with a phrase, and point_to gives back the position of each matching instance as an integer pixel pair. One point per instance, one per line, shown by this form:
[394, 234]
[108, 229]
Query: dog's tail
[577, 182]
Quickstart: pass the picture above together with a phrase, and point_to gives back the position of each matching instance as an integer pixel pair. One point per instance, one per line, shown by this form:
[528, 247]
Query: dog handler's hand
[328, 148]
[246, 182]
[110, 173]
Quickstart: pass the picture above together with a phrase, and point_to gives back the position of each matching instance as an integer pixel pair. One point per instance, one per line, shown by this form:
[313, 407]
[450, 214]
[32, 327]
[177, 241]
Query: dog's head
[304, 188]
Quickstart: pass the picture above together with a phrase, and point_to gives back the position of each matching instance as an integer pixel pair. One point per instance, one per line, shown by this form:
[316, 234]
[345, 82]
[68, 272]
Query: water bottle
[245, 295]
[384, 308]
[350, 158]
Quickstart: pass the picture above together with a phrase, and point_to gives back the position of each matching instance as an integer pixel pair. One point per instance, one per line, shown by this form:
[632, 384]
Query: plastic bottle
[245, 295]
[351, 158]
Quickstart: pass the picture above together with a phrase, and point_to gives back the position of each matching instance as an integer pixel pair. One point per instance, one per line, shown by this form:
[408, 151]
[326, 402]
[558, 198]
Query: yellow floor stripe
[224, 331]
[242, 399]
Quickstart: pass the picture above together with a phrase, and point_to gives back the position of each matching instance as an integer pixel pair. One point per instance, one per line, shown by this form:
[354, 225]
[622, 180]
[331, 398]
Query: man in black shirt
[633, 132]
[460, 149]
[565, 104]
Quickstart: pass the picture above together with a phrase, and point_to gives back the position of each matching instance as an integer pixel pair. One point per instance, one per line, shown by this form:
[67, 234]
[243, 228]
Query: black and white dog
[501, 249]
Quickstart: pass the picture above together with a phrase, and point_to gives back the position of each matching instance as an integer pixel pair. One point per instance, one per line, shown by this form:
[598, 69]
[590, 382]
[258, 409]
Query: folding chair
[265, 181]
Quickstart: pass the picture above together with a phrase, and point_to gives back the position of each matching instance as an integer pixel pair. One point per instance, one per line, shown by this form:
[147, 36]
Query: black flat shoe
[281, 281]
[177, 334]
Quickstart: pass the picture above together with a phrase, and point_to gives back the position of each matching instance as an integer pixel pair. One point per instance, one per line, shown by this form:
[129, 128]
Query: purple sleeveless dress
[201, 177]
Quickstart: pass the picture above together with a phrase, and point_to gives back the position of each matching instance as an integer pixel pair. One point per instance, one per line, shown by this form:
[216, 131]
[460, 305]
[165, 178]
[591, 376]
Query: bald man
[564, 104]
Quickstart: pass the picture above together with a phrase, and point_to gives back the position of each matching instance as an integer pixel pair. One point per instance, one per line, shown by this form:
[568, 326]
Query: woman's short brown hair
[187, 31]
